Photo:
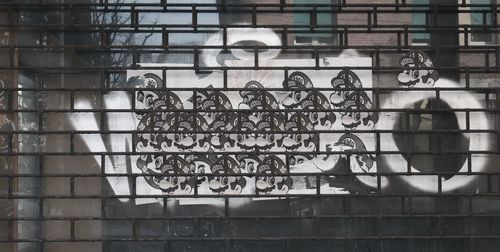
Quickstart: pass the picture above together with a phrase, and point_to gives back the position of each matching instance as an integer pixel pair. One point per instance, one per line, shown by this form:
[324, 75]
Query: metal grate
[249, 125]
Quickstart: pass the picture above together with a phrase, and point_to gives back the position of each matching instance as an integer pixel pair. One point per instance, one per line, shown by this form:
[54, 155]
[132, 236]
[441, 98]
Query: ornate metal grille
[212, 125]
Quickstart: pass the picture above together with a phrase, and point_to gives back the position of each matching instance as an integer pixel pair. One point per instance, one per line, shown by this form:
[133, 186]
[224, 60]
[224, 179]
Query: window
[320, 36]
[481, 16]
[419, 18]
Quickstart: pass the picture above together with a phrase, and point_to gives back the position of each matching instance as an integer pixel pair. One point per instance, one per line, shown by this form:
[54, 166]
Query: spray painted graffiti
[120, 142]
[266, 36]
[255, 137]
[458, 100]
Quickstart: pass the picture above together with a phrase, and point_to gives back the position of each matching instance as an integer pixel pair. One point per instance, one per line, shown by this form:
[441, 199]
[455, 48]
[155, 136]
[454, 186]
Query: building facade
[229, 125]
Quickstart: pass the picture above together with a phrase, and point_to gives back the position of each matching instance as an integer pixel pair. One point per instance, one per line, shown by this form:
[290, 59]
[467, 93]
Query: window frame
[315, 40]
[488, 21]
[420, 41]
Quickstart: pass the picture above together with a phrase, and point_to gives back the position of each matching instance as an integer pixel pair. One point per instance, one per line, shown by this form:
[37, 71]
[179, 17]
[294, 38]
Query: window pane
[481, 16]
[322, 19]
[419, 18]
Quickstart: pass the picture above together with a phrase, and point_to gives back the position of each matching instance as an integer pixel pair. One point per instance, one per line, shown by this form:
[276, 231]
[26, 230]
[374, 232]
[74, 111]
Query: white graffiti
[363, 165]
[238, 36]
[116, 121]
[457, 100]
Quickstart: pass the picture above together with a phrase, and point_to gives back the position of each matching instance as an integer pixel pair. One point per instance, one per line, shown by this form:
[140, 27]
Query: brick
[88, 186]
[410, 226]
[363, 245]
[56, 230]
[114, 229]
[298, 245]
[56, 186]
[251, 245]
[486, 204]
[72, 208]
[65, 164]
[150, 228]
[88, 229]
[180, 228]
[4, 230]
[206, 246]
[72, 246]
[136, 246]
